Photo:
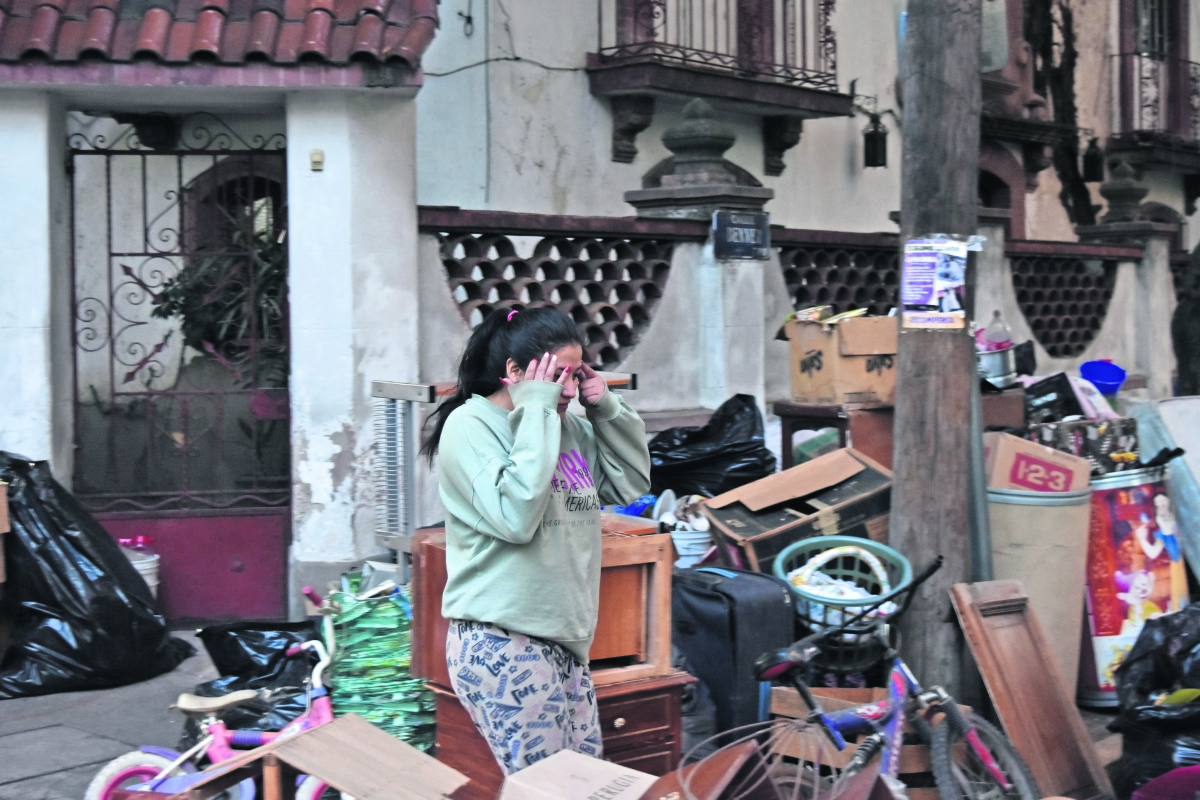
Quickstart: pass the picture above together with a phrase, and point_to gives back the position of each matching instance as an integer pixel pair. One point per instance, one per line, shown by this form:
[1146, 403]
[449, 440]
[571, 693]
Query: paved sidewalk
[50, 747]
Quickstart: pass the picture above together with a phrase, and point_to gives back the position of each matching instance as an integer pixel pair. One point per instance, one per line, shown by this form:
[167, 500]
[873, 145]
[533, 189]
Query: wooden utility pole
[930, 495]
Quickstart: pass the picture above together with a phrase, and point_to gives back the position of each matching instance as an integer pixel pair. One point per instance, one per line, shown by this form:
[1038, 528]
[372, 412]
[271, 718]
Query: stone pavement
[50, 747]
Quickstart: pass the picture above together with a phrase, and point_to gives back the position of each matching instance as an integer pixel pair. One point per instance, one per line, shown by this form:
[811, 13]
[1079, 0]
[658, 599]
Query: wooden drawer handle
[619, 723]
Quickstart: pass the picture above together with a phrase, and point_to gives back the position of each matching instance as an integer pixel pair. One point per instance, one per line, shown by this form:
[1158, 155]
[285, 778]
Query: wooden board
[350, 754]
[1018, 669]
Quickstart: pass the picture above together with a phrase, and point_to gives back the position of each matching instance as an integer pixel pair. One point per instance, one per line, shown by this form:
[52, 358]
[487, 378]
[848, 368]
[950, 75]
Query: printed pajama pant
[529, 698]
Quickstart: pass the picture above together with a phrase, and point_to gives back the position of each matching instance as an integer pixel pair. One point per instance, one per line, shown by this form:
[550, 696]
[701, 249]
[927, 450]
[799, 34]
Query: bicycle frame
[220, 744]
[886, 718]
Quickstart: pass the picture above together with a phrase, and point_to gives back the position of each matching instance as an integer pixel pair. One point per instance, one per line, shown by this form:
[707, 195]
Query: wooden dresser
[637, 691]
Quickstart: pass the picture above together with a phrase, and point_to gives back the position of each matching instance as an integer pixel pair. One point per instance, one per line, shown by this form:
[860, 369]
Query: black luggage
[724, 619]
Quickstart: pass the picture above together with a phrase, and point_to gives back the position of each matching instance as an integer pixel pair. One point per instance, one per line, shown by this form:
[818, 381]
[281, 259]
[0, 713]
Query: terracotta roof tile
[98, 36]
[179, 43]
[43, 30]
[206, 38]
[368, 37]
[152, 34]
[124, 40]
[264, 28]
[282, 32]
[317, 27]
[288, 43]
[70, 35]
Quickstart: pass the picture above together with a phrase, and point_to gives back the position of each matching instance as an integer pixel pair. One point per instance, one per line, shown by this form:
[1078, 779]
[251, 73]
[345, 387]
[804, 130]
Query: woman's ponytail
[520, 335]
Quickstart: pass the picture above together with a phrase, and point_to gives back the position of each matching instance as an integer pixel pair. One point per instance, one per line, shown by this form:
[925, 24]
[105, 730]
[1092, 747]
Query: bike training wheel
[316, 789]
[125, 771]
[960, 775]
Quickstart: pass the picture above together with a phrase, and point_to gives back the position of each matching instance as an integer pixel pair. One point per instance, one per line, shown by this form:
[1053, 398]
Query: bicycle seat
[206, 706]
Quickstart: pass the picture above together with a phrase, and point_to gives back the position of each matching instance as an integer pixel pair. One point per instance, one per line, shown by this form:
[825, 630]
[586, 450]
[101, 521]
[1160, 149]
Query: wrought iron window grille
[790, 41]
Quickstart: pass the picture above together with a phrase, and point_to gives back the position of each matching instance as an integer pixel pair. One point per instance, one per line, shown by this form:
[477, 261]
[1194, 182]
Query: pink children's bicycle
[160, 769]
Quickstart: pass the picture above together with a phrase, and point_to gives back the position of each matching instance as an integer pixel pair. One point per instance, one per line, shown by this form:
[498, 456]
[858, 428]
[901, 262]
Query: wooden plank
[1018, 669]
[429, 626]
[623, 523]
[355, 757]
[622, 550]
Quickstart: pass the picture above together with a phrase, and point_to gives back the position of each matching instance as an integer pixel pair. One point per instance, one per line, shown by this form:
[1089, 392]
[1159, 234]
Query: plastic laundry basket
[1041, 539]
[855, 651]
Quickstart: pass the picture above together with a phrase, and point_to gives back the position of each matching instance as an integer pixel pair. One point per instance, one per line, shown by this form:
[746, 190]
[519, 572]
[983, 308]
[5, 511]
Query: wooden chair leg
[279, 779]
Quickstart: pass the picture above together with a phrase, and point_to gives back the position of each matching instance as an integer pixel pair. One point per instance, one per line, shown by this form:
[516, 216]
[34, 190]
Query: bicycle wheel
[124, 771]
[315, 789]
[959, 772]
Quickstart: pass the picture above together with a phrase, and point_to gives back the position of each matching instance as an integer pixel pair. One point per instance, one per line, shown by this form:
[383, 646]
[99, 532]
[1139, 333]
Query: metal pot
[998, 367]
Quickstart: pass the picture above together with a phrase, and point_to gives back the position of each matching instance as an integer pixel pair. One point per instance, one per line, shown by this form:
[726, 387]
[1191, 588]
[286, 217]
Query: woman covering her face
[522, 482]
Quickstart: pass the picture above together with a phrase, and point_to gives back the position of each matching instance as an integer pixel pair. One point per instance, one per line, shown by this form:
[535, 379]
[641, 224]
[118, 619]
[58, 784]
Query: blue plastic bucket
[1105, 376]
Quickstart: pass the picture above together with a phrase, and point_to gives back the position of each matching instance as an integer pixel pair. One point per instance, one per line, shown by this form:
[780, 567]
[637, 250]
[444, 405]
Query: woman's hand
[591, 386]
[542, 369]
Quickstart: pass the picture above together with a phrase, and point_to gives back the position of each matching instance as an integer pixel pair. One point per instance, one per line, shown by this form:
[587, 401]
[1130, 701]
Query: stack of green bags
[371, 676]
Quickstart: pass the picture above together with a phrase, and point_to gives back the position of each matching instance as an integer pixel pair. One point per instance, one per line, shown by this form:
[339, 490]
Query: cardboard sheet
[799, 481]
[567, 775]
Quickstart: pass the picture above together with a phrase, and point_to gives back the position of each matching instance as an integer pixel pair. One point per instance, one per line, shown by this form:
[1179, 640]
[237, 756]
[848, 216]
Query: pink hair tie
[511, 314]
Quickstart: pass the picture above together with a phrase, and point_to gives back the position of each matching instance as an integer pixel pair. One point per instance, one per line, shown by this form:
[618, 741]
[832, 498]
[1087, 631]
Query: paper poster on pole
[933, 282]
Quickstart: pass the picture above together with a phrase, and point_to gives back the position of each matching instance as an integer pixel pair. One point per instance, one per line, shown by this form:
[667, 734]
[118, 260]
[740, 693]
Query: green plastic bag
[371, 671]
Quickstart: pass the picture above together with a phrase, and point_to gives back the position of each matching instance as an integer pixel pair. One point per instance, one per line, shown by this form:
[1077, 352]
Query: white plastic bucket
[147, 566]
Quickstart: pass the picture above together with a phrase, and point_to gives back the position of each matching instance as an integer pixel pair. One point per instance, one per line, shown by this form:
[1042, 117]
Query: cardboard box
[1015, 463]
[851, 363]
[568, 775]
[843, 492]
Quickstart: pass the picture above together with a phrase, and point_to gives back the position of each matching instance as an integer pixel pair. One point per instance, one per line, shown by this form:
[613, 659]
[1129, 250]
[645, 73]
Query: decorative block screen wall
[843, 277]
[609, 286]
[1064, 299]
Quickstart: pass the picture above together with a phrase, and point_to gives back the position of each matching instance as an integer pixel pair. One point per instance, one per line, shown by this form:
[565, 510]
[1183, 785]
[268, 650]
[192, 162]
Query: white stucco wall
[353, 297]
[34, 282]
[517, 136]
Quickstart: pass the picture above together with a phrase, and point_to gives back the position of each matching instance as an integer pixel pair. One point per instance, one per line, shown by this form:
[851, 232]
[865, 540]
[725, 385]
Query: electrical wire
[547, 67]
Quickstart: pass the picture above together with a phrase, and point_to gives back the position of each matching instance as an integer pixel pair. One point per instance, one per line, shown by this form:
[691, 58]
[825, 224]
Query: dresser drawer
[656, 760]
[640, 718]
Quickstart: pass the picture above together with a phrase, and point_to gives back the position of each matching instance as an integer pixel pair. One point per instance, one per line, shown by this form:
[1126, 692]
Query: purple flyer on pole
[932, 283]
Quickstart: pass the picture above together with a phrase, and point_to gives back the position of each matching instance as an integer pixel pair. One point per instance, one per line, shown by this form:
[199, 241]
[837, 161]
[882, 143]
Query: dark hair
[522, 336]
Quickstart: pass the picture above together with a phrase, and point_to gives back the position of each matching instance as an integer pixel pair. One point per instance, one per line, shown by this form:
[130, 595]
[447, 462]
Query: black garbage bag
[85, 618]
[724, 454]
[253, 655]
[1158, 738]
[1166, 656]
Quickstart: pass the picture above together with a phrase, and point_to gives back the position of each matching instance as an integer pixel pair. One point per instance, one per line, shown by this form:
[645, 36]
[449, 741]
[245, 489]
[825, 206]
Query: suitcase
[723, 620]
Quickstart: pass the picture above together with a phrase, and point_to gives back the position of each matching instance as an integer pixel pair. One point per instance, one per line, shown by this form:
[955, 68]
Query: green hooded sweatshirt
[522, 491]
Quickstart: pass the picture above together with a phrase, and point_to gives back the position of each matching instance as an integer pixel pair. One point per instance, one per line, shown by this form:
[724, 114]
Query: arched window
[993, 191]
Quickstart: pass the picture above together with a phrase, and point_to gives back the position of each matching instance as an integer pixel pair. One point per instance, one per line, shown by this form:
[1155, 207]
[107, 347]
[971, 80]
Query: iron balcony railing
[1160, 97]
[789, 41]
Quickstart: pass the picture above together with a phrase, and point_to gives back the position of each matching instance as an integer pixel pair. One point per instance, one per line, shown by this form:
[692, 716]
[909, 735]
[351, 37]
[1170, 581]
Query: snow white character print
[522, 482]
